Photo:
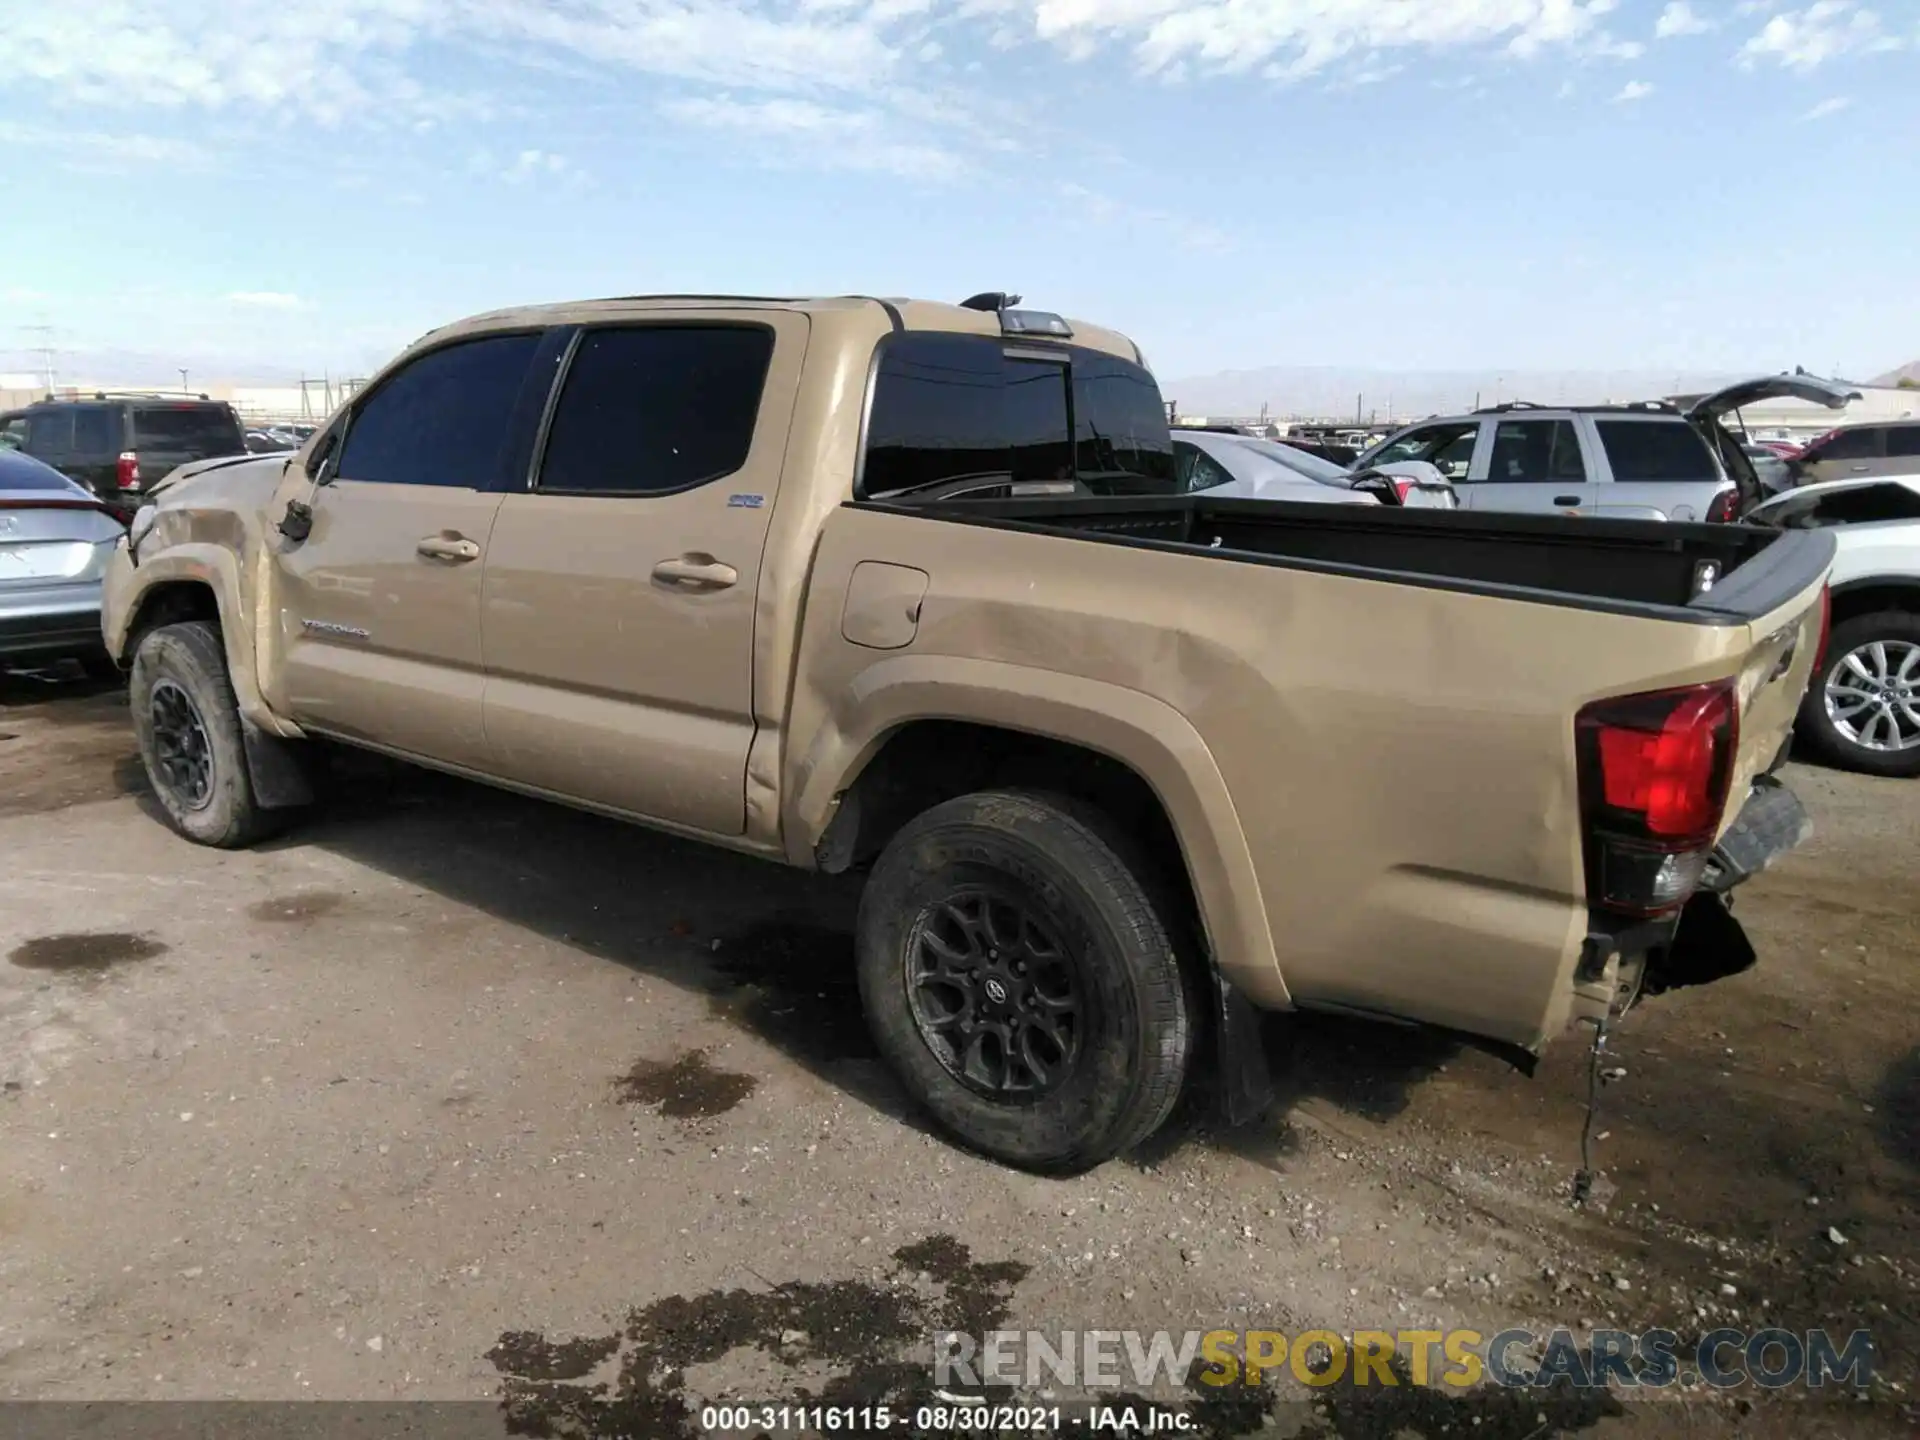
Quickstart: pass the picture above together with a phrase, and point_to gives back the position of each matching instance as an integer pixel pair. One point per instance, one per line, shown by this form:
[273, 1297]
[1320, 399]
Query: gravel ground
[450, 1095]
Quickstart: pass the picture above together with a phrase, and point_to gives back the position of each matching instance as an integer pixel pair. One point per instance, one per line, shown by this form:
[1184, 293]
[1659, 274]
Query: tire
[179, 683]
[948, 884]
[1897, 632]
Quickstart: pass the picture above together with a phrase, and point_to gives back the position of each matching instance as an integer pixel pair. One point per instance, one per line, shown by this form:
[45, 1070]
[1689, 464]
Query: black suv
[119, 444]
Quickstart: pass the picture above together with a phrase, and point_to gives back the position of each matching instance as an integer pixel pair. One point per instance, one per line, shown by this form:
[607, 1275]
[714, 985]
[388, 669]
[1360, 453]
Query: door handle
[1566, 499]
[456, 548]
[696, 571]
[1859, 469]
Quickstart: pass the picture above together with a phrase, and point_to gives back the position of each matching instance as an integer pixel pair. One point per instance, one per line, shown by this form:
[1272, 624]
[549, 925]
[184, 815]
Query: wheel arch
[914, 731]
[1873, 594]
[191, 582]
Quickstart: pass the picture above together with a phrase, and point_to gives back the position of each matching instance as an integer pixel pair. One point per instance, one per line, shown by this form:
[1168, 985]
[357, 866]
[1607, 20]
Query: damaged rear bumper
[1624, 959]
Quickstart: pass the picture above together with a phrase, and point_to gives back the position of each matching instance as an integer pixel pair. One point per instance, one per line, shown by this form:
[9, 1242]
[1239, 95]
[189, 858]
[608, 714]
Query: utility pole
[183, 378]
[45, 347]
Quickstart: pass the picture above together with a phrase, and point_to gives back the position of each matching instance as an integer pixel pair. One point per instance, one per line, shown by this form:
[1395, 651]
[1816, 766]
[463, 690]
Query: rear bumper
[1772, 822]
[50, 619]
[1624, 958]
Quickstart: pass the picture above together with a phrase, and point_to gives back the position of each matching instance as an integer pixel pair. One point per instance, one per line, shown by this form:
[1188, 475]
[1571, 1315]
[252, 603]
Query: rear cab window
[1903, 441]
[193, 432]
[974, 416]
[1655, 450]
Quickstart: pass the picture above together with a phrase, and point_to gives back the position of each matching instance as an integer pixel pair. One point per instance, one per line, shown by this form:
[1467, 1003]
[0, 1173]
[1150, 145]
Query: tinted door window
[1450, 447]
[1644, 450]
[1534, 452]
[443, 419]
[1860, 443]
[656, 408]
[1120, 427]
[94, 432]
[1903, 440]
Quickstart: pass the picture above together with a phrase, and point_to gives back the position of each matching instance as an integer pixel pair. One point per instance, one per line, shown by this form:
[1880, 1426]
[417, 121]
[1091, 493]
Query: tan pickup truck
[909, 587]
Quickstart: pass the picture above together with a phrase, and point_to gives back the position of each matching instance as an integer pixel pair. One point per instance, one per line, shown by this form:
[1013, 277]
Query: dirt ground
[450, 1095]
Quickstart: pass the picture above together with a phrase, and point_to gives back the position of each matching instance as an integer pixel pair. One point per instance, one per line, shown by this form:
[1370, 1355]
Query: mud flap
[1245, 1083]
[1709, 945]
[274, 765]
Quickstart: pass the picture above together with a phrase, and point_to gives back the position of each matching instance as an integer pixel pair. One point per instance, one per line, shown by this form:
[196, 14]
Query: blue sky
[1402, 184]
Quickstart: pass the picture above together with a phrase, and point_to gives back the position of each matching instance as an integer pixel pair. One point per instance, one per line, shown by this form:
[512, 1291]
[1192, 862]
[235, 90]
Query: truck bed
[1704, 574]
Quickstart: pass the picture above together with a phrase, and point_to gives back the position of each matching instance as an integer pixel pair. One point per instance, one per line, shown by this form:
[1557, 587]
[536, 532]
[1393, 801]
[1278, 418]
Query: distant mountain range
[1908, 373]
[1334, 393]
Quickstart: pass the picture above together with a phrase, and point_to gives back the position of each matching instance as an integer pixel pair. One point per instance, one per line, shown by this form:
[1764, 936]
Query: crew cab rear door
[620, 580]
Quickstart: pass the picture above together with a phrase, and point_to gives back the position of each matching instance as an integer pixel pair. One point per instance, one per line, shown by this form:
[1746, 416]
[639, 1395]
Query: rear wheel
[1862, 709]
[1020, 980]
[188, 726]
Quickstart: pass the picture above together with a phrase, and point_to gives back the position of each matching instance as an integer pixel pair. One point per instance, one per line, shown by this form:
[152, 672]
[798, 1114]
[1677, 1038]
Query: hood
[1798, 386]
[274, 463]
[1898, 496]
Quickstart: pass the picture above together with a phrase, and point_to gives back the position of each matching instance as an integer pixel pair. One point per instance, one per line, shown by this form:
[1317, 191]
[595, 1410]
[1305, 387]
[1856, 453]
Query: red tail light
[1654, 775]
[126, 471]
[1403, 488]
[1721, 510]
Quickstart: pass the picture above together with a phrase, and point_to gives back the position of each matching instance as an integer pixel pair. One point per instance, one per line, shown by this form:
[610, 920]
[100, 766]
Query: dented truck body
[1417, 764]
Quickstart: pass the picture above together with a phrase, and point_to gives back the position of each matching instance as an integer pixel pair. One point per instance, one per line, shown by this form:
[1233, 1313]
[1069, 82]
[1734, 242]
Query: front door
[1531, 465]
[618, 615]
[379, 609]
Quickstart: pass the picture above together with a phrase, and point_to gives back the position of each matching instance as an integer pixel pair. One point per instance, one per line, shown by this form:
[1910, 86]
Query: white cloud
[103, 151]
[807, 134]
[1680, 18]
[267, 299]
[1825, 30]
[1828, 107]
[1631, 91]
[1290, 39]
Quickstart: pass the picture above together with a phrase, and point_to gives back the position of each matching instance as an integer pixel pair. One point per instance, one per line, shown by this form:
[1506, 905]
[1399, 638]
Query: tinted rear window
[1120, 424]
[1903, 440]
[1655, 450]
[958, 407]
[201, 430]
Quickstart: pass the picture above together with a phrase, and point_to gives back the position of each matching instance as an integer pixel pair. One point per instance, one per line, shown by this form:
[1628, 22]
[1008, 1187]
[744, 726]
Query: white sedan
[1248, 467]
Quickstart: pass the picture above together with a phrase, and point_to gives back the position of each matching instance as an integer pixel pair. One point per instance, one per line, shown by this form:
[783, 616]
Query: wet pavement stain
[869, 1332]
[287, 909]
[685, 1089]
[84, 953]
[793, 982]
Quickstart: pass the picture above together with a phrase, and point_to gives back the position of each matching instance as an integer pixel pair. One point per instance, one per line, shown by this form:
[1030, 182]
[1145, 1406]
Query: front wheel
[1862, 709]
[1021, 982]
[188, 726]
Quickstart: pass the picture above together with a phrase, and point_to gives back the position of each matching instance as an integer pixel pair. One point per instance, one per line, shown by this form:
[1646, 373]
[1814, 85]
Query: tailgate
[1772, 679]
